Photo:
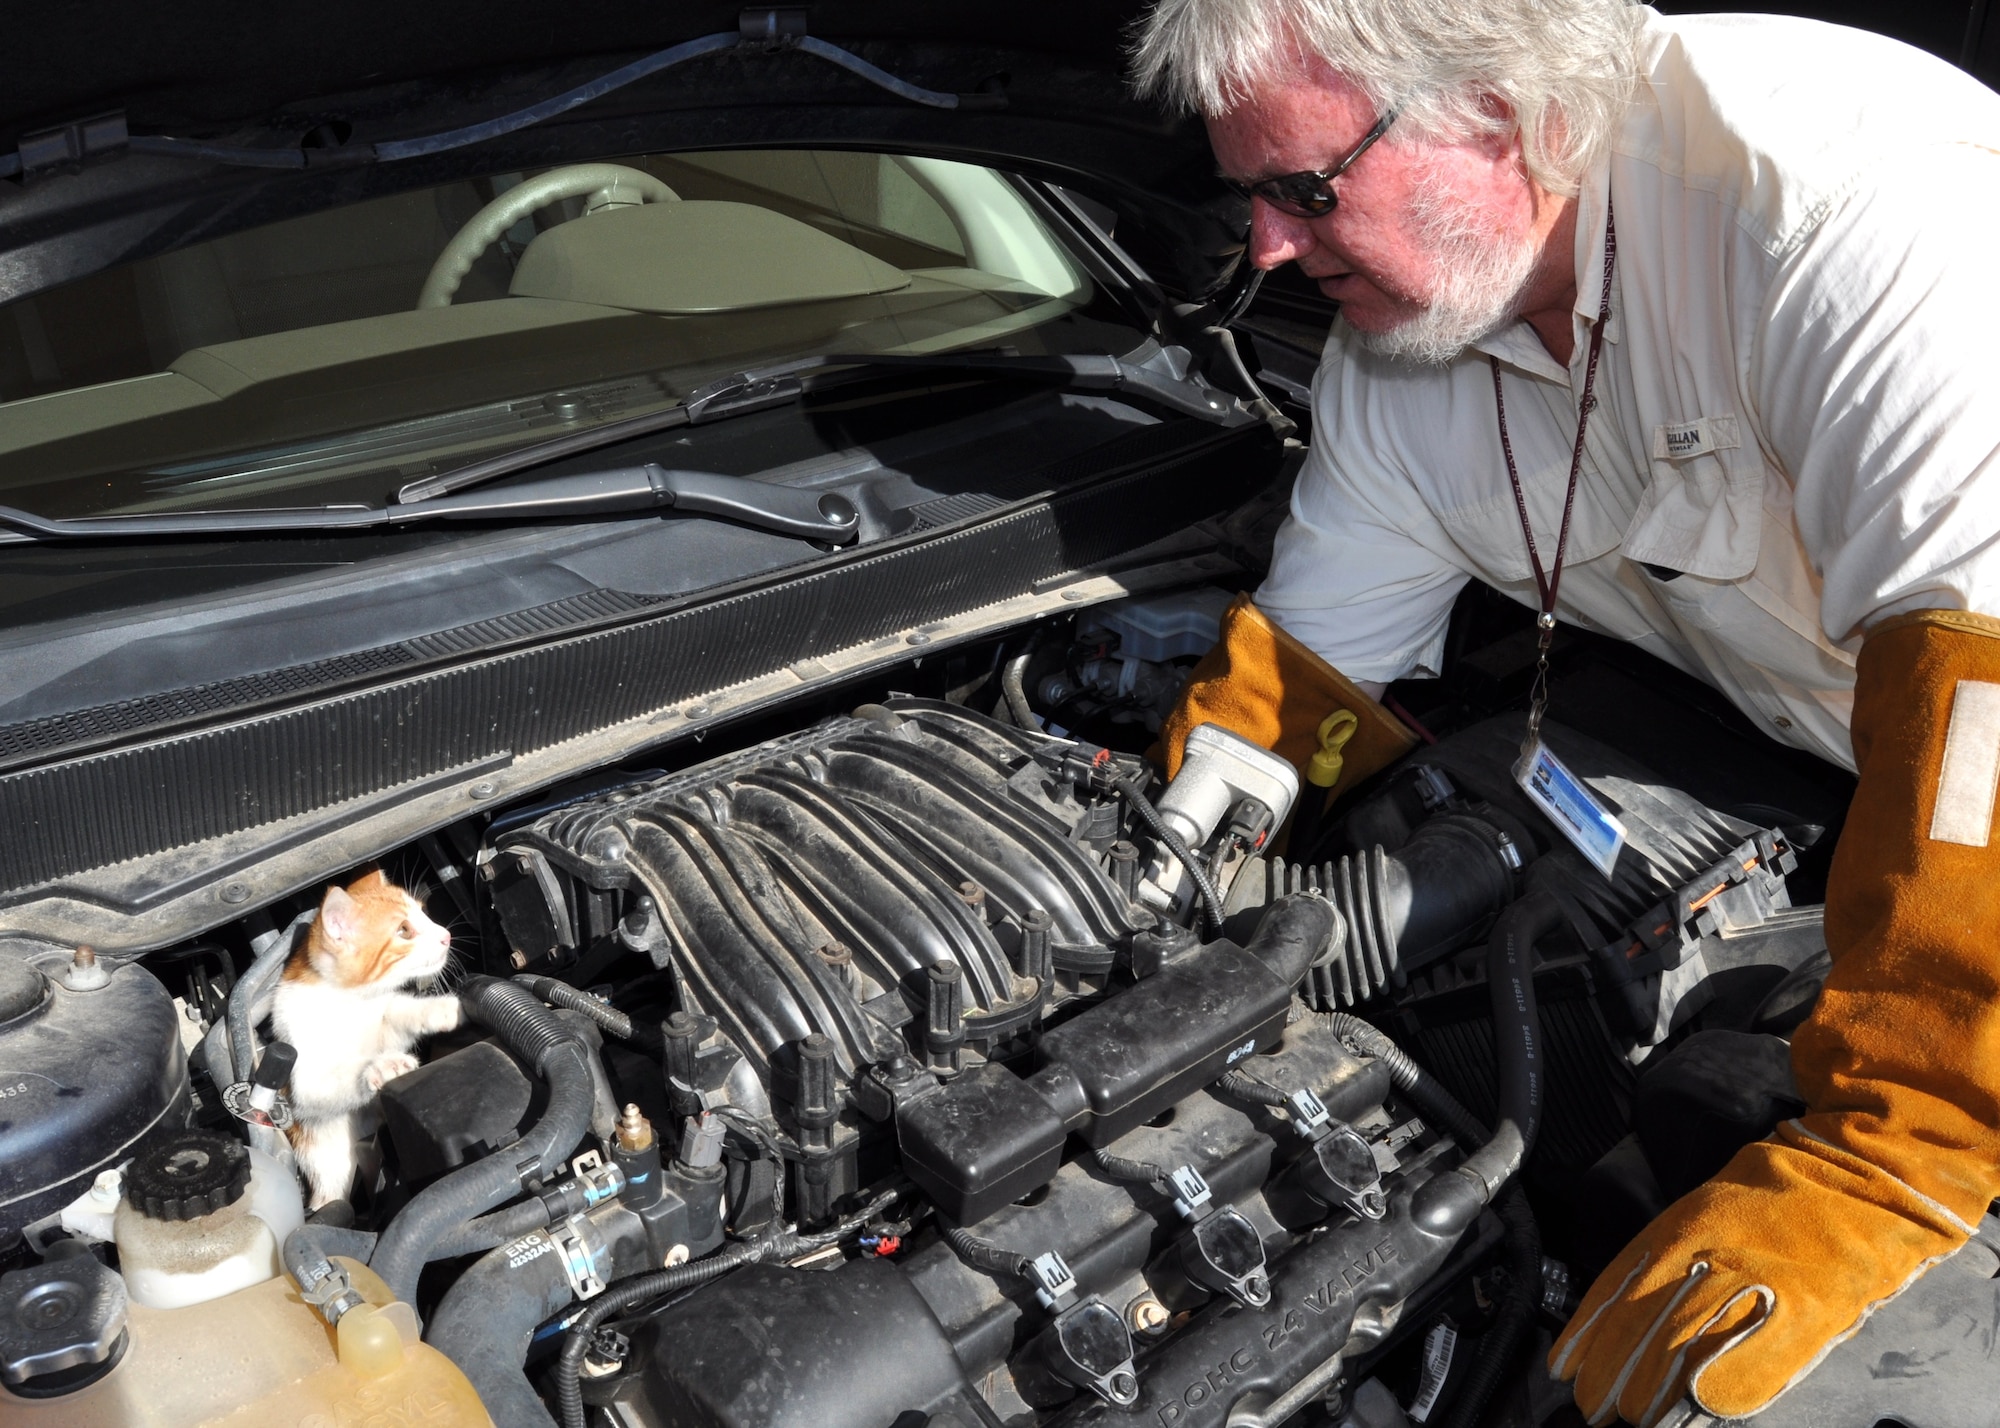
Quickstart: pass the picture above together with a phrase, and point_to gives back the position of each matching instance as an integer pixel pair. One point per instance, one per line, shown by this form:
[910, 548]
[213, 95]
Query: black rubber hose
[491, 1231]
[239, 1013]
[984, 1255]
[1517, 1030]
[644, 1035]
[1295, 932]
[487, 1322]
[533, 1032]
[1211, 900]
[1500, 1350]
[1517, 1039]
[308, 1252]
[619, 1297]
[1517, 1052]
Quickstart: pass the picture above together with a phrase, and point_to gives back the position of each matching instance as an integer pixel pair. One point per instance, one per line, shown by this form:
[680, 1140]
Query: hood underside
[1044, 82]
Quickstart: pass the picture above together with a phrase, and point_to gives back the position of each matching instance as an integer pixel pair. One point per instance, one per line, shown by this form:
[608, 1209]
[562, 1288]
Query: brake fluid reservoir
[188, 1229]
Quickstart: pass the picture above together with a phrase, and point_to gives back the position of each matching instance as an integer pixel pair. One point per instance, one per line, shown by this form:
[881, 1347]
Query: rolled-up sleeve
[1349, 577]
[1875, 375]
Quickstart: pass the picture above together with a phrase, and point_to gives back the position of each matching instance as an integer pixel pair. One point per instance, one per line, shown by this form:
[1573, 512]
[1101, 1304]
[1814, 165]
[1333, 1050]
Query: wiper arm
[786, 510]
[1156, 376]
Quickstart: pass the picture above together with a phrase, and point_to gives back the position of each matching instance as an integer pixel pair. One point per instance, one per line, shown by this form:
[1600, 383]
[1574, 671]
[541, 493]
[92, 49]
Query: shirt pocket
[1490, 544]
[1768, 619]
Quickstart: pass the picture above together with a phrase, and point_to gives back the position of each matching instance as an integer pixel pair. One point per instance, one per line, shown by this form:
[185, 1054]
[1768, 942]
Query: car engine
[917, 1065]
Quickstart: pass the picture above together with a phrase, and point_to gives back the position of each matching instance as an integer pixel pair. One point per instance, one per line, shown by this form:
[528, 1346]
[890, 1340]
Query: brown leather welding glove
[1739, 1288]
[1260, 682]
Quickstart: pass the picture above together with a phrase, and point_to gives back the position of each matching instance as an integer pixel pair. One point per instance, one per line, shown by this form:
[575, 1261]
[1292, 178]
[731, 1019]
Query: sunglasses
[1309, 194]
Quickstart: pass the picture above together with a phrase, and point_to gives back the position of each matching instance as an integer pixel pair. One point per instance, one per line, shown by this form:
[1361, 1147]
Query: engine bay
[924, 1057]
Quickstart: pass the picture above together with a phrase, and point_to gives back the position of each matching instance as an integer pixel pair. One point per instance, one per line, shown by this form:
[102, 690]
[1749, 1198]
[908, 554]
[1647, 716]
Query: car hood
[1046, 79]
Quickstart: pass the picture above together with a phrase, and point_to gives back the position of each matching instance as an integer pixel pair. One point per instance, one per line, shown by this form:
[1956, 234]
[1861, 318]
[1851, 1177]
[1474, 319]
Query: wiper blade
[786, 510]
[1157, 376]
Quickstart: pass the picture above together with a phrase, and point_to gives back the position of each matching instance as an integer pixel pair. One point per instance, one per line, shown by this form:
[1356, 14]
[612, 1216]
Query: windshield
[338, 356]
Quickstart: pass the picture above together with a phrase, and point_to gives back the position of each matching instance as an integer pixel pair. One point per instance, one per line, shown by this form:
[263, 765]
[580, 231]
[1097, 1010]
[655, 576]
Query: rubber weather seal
[757, 30]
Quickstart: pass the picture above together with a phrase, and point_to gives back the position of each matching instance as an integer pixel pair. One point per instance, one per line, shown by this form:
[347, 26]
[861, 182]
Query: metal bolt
[1147, 1316]
[1782, 722]
[84, 957]
[678, 1255]
[519, 960]
[971, 893]
[635, 1132]
[697, 711]
[1073, 595]
[919, 638]
[485, 788]
[236, 892]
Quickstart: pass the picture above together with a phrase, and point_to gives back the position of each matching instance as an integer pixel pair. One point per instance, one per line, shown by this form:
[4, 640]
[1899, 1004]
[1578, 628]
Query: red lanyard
[1547, 581]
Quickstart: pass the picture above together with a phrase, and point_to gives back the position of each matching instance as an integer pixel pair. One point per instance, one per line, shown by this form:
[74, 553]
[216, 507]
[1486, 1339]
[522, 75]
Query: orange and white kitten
[344, 1006]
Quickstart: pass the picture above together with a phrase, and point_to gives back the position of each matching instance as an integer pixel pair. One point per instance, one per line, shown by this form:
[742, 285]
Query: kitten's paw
[443, 1013]
[384, 1069]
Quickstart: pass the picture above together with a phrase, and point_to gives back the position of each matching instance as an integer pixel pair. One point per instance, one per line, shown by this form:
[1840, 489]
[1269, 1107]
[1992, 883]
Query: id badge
[1570, 805]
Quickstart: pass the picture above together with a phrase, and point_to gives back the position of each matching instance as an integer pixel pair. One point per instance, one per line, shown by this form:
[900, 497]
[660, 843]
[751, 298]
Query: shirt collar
[1516, 344]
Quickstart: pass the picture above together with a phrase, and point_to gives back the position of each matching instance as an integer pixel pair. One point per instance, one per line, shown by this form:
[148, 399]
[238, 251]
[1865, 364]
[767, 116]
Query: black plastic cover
[82, 1079]
[455, 1109]
[1131, 1056]
[770, 1347]
[979, 1142]
[22, 989]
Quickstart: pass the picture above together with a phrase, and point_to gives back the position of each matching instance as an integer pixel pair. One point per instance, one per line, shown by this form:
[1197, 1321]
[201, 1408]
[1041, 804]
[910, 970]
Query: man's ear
[337, 915]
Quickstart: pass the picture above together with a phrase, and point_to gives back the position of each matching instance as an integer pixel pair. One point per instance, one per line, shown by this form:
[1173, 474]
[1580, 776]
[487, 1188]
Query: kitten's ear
[369, 882]
[338, 915]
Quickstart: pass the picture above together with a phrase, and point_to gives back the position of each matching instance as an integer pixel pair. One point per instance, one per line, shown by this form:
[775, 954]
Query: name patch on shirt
[1679, 440]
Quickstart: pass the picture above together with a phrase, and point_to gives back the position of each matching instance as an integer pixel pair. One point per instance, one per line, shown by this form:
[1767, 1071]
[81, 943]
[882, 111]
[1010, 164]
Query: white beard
[1477, 288]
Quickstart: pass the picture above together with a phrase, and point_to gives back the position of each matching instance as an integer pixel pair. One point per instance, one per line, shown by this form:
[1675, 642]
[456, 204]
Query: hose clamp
[257, 1105]
[578, 1247]
[327, 1288]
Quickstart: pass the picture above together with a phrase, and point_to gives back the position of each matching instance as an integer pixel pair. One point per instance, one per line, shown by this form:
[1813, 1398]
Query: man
[1762, 247]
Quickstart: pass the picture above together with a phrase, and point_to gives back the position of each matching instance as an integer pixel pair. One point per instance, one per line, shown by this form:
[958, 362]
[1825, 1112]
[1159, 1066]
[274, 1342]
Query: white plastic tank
[202, 1215]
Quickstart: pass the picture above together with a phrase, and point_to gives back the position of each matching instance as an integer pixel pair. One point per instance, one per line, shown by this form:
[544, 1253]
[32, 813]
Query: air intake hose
[1407, 908]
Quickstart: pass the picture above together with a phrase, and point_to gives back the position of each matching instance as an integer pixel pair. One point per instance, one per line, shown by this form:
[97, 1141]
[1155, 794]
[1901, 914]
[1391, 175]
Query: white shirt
[1799, 395]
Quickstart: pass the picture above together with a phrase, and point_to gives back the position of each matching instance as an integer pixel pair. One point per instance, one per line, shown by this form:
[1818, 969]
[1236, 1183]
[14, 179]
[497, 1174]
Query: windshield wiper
[786, 510]
[1158, 374]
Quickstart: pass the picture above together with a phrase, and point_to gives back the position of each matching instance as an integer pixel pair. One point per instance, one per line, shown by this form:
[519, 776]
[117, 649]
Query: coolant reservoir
[263, 1358]
[188, 1228]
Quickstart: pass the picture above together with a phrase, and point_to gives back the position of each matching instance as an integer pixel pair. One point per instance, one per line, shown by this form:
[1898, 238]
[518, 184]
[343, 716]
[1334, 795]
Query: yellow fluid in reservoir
[263, 1358]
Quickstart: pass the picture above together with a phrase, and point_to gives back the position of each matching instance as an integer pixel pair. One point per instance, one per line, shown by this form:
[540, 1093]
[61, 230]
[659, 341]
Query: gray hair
[1566, 68]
